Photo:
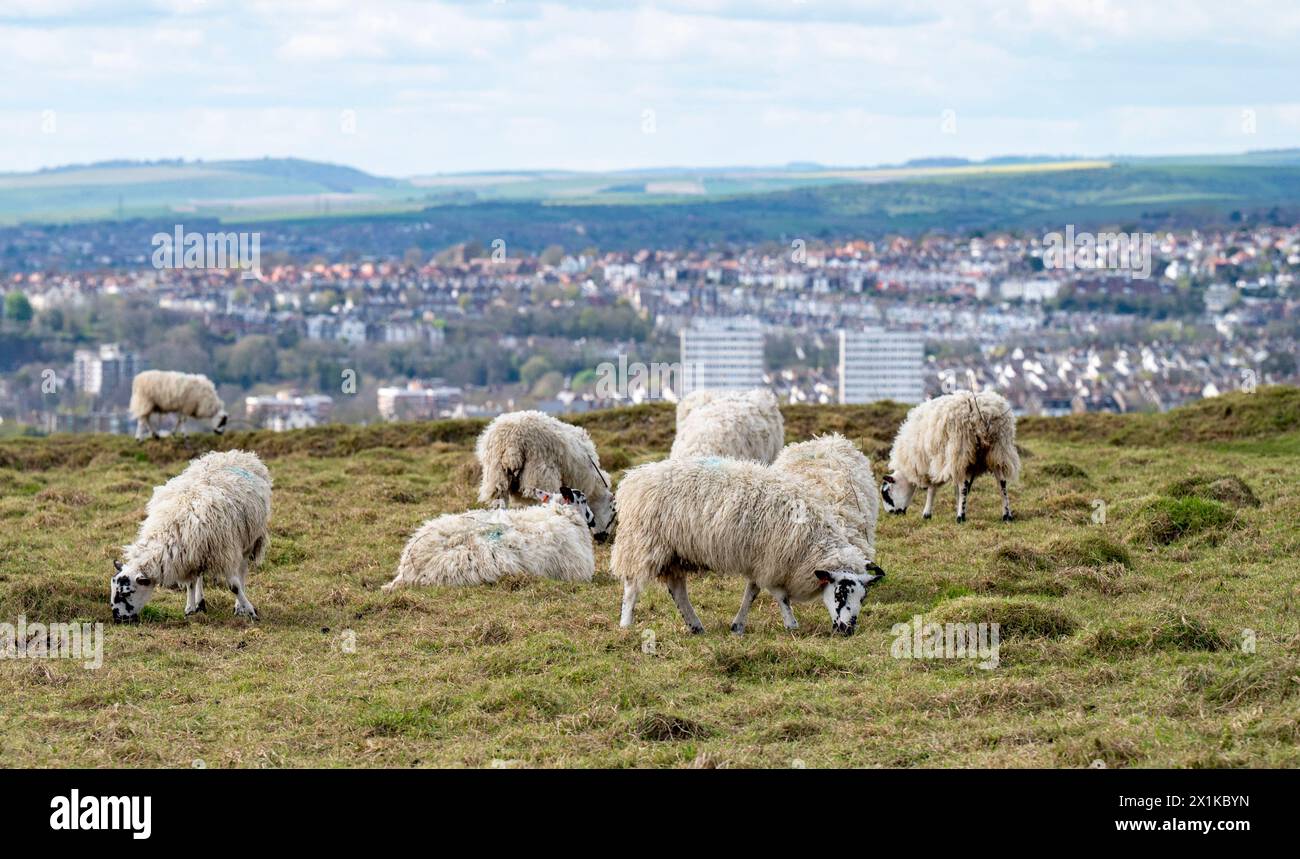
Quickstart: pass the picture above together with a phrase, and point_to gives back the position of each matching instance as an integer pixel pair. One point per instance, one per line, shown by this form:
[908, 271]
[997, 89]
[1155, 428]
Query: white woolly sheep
[956, 437]
[739, 518]
[187, 395]
[480, 546]
[211, 518]
[833, 467]
[734, 424]
[522, 452]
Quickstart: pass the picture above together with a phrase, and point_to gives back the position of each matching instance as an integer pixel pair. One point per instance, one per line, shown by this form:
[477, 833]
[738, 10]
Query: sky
[403, 88]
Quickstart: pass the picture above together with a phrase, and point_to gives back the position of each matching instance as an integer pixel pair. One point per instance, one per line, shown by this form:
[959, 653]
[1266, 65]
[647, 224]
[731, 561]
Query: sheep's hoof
[251, 614]
[925, 515]
[202, 606]
[696, 630]
[961, 519]
[1007, 517]
[738, 628]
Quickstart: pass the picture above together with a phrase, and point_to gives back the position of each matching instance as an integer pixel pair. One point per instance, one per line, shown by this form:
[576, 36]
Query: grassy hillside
[1121, 641]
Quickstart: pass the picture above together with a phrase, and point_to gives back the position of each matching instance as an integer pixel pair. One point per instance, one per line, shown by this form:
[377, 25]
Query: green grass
[1115, 646]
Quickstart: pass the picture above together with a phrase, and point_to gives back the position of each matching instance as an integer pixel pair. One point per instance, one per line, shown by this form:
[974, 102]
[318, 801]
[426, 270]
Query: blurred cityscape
[317, 334]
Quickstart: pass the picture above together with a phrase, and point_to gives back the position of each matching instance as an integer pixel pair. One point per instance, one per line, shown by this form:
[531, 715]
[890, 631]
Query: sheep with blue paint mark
[212, 519]
[551, 540]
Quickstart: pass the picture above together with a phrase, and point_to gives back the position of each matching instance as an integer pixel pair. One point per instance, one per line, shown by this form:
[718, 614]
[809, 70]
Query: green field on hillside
[1162, 634]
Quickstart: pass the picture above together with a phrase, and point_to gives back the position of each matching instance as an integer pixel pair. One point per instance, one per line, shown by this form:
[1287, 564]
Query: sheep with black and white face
[738, 518]
[211, 518]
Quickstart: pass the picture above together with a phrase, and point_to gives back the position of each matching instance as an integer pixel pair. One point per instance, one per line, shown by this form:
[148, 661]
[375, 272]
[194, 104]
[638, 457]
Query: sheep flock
[797, 521]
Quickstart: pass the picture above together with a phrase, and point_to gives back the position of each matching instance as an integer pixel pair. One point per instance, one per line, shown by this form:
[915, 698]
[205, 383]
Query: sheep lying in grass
[833, 467]
[956, 437]
[211, 518]
[480, 546]
[522, 452]
[188, 395]
[735, 424]
[737, 518]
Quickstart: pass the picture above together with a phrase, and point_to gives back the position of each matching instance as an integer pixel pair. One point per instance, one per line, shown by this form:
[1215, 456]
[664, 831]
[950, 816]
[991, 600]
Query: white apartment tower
[104, 371]
[881, 365]
[722, 353]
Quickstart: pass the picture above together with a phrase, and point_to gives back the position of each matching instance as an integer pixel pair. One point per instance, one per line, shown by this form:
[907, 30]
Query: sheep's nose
[845, 629]
[602, 537]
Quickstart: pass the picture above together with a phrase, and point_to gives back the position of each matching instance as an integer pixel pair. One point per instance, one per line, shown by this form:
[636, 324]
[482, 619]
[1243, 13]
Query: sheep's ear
[889, 478]
[823, 576]
[567, 494]
[876, 573]
[117, 565]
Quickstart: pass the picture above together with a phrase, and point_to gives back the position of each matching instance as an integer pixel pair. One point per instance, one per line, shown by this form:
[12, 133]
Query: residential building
[876, 364]
[288, 410]
[722, 353]
[104, 371]
[416, 402]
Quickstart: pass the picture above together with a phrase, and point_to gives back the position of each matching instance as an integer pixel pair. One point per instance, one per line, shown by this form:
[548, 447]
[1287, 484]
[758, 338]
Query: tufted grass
[1117, 646]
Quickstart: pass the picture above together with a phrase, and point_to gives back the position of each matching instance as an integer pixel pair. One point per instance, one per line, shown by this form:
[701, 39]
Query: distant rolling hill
[674, 206]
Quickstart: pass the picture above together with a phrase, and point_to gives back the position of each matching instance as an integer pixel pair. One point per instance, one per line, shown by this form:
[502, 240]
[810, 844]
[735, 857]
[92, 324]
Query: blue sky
[408, 88]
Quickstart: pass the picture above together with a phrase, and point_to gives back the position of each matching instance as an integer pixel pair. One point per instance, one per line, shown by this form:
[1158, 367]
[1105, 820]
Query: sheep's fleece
[480, 546]
[212, 517]
[524, 451]
[163, 391]
[734, 424]
[834, 468]
[956, 436]
[732, 517]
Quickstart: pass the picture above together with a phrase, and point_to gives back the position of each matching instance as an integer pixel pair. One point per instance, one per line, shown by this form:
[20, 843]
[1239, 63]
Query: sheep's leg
[929, 503]
[194, 602]
[631, 590]
[963, 490]
[142, 429]
[677, 587]
[787, 613]
[1006, 501]
[243, 608]
[180, 423]
[738, 625]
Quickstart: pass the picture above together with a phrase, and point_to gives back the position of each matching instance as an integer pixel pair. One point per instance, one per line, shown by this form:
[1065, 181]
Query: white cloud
[458, 85]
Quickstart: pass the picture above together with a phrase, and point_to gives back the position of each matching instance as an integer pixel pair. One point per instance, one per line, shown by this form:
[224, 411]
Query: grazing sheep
[480, 546]
[188, 395]
[734, 424]
[211, 518]
[739, 518]
[955, 437]
[833, 467]
[521, 452]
